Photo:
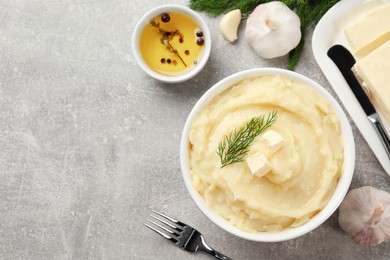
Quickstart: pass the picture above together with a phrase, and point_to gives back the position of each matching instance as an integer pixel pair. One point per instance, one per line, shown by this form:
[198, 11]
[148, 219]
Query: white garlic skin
[355, 215]
[273, 30]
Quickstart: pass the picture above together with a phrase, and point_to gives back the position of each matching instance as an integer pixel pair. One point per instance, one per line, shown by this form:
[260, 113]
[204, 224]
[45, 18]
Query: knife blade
[344, 60]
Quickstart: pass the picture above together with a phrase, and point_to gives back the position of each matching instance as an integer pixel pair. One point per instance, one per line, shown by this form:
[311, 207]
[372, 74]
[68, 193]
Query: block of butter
[374, 72]
[258, 164]
[370, 32]
[273, 140]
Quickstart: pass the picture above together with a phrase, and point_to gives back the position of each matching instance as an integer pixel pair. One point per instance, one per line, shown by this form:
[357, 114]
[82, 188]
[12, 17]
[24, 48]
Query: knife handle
[375, 120]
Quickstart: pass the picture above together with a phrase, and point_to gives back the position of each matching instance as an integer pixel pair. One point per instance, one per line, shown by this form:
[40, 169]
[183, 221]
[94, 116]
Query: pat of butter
[273, 140]
[374, 71]
[370, 32]
[258, 164]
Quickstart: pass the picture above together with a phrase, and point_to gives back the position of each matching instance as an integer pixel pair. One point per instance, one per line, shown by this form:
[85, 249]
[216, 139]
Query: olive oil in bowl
[172, 43]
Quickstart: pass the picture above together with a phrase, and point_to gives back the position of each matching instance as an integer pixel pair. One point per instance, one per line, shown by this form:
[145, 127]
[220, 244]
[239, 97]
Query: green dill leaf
[235, 146]
[296, 53]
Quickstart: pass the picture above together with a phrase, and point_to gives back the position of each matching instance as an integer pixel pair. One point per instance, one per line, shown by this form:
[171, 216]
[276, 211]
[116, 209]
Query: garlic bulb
[365, 215]
[273, 29]
[229, 25]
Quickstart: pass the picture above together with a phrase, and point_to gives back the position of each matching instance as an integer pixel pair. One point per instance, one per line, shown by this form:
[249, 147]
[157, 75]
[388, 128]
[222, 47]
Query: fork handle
[217, 254]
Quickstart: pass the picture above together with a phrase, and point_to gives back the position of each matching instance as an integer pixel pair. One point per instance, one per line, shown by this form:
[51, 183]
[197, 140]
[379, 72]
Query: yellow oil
[159, 57]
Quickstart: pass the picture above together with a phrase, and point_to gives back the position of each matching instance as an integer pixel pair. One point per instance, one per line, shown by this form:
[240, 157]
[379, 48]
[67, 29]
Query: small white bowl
[343, 183]
[164, 9]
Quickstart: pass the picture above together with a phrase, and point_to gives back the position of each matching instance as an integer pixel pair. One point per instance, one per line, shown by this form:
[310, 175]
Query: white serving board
[330, 31]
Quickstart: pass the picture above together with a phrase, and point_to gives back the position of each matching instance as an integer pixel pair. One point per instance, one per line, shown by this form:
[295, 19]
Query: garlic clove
[365, 215]
[229, 25]
[273, 29]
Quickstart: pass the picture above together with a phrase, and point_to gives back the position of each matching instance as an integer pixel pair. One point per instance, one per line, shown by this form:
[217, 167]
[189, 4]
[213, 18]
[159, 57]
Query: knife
[345, 61]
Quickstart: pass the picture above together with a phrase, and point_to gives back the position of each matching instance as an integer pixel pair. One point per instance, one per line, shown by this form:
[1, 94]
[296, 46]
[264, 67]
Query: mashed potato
[304, 171]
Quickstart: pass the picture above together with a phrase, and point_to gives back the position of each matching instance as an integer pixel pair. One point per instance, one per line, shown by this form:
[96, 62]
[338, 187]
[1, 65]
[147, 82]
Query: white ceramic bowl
[145, 21]
[343, 183]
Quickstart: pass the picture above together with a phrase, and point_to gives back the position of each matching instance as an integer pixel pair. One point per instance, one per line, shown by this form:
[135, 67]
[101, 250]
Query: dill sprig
[235, 146]
[165, 39]
[309, 11]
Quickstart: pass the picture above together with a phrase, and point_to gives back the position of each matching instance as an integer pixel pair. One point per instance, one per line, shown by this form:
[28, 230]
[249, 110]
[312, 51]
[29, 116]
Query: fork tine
[161, 233]
[162, 227]
[167, 223]
[169, 218]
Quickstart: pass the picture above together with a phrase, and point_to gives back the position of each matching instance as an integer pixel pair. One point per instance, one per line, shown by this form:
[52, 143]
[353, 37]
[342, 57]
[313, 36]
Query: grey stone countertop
[89, 143]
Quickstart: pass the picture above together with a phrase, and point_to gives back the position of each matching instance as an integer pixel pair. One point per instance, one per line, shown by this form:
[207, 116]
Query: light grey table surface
[89, 143]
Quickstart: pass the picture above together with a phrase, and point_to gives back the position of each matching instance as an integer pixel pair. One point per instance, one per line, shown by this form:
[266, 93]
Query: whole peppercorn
[199, 33]
[165, 17]
[200, 41]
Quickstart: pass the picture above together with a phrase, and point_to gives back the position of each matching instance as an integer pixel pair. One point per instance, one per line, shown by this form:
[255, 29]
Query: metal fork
[182, 235]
